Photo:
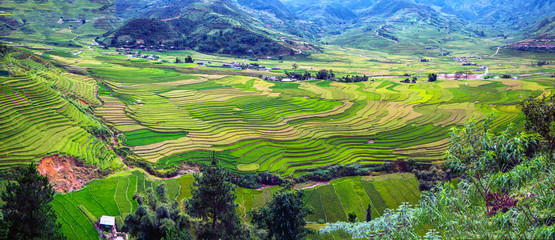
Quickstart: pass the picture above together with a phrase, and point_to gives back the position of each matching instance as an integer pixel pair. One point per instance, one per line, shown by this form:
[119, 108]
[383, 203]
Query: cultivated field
[186, 112]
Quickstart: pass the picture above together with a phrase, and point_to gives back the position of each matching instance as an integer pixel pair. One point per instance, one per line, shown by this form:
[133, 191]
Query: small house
[107, 223]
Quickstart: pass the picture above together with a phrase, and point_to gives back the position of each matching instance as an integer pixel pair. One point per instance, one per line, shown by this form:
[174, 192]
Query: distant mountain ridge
[277, 27]
[217, 26]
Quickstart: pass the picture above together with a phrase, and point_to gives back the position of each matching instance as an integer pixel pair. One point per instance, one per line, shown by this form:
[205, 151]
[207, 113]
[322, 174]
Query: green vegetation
[283, 217]
[65, 89]
[505, 180]
[156, 217]
[212, 200]
[41, 118]
[26, 212]
[117, 196]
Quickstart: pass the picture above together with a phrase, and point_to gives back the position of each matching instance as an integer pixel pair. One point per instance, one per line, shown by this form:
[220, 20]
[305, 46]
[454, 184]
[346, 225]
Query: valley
[110, 107]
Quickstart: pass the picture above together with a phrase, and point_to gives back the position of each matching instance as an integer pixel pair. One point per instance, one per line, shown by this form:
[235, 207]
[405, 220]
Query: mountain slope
[276, 16]
[401, 21]
[56, 22]
[510, 14]
[540, 37]
[208, 26]
[270, 6]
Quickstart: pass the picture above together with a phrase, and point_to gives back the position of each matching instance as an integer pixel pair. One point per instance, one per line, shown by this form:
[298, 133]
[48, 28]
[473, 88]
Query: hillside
[508, 14]
[390, 23]
[419, 114]
[56, 22]
[46, 111]
[327, 16]
[212, 27]
[545, 28]
[540, 37]
[274, 7]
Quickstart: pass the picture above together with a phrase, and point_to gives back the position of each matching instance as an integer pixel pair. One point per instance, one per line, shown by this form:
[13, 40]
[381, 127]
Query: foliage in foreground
[27, 213]
[505, 191]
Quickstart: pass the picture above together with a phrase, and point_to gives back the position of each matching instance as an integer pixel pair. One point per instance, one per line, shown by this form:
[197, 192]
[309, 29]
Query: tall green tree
[540, 117]
[157, 217]
[284, 217]
[213, 201]
[27, 213]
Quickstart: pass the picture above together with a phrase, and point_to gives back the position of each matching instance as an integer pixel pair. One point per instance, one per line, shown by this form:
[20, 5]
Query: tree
[189, 59]
[352, 216]
[540, 117]
[4, 49]
[284, 217]
[369, 213]
[177, 60]
[156, 217]
[414, 79]
[295, 66]
[432, 77]
[27, 212]
[213, 201]
[323, 74]
[173, 234]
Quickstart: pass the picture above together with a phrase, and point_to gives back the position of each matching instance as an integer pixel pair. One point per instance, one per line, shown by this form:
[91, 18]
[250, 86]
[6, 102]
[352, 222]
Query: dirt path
[498, 48]
[316, 185]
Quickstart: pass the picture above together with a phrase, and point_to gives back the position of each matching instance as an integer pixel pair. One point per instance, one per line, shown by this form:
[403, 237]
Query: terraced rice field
[36, 121]
[113, 196]
[286, 128]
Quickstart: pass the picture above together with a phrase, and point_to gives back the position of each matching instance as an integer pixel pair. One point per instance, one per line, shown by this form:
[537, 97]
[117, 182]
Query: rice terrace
[365, 116]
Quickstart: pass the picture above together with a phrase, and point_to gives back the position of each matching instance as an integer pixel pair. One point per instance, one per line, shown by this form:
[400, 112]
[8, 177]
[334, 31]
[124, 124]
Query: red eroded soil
[66, 174]
[83, 102]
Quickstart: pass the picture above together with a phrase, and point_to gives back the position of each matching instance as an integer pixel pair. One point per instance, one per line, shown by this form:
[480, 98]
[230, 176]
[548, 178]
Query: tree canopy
[284, 217]
[27, 213]
[157, 217]
[213, 202]
[540, 117]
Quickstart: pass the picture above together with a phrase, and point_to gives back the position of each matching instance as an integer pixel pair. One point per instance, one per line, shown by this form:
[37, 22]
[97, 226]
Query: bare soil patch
[67, 174]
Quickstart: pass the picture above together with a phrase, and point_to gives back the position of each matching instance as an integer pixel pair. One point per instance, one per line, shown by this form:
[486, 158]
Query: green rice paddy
[146, 137]
[175, 113]
[37, 121]
[287, 128]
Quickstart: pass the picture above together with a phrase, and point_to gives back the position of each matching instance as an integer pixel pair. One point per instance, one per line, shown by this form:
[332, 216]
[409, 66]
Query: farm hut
[107, 223]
